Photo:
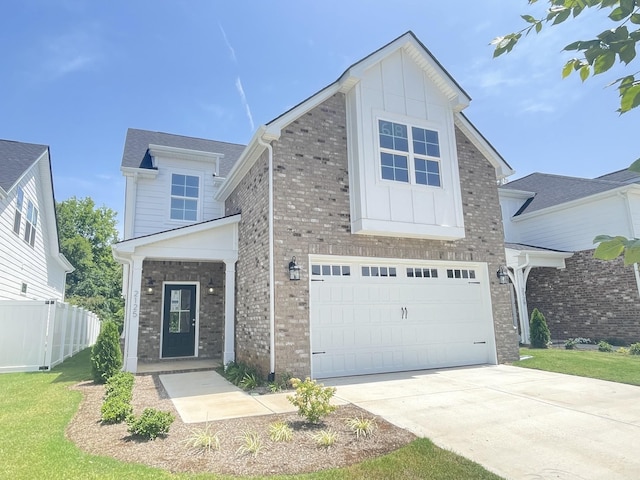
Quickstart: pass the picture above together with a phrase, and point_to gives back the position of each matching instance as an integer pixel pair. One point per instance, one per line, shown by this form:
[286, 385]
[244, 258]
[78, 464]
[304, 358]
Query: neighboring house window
[17, 219]
[30, 224]
[408, 152]
[184, 197]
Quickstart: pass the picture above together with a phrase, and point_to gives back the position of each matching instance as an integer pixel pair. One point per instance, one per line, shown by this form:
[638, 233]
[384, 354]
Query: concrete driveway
[516, 422]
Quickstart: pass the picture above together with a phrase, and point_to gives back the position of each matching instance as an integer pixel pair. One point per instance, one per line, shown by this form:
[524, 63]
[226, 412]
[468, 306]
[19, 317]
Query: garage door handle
[317, 280]
[478, 343]
[477, 283]
[317, 353]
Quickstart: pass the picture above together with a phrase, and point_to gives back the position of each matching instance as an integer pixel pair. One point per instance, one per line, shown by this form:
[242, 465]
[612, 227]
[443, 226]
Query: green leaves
[610, 248]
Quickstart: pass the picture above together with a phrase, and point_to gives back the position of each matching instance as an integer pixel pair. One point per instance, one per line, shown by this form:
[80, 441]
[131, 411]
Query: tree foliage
[106, 356]
[598, 54]
[538, 330]
[86, 235]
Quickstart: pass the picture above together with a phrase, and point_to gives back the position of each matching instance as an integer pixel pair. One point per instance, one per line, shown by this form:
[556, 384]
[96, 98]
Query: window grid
[397, 147]
[461, 273]
[418, 272]
[330, 270]
[185, 191]
[379, 271]
[31, 224]
[17, 219]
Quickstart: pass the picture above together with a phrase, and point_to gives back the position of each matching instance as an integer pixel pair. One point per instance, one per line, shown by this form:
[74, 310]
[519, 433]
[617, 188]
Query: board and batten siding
[573, 228]
[19, 262]
[153, 196]
[398, 90]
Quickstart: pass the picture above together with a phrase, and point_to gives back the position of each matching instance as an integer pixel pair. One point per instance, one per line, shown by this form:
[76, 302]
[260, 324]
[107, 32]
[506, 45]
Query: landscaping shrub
[242, 375]
[604, 346]
[571, 343]
[106, 356]
[312, 399]
[150, 424]
[539, 331]
[634, 349]
[117, 403]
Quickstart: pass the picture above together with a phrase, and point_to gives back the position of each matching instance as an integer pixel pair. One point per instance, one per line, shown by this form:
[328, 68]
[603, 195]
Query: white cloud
[243, 99]
[232, 52]
[71, 53]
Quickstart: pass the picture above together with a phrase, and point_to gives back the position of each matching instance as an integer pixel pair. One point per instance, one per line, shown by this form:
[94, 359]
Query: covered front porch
[520, 260]
[179, 288]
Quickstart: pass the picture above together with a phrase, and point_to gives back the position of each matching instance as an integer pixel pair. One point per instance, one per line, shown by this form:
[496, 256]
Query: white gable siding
[573, 229]
[151, 209]
[19, 262]
[398, 90]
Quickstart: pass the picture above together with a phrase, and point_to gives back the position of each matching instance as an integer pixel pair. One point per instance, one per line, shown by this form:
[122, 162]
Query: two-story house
[31, 265]
[358, 232]
[550, 222]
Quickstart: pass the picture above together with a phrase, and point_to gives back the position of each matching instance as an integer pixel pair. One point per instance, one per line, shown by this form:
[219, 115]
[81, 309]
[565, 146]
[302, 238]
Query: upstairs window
[409, 154]
[17, 219]
[31, 224]
[185, 191]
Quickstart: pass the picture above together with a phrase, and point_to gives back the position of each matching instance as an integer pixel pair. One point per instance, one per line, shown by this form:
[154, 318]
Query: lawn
[614, 367]
[36, 407]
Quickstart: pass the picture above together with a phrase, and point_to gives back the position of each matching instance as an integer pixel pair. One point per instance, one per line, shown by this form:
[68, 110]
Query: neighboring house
[31, 265]
[358, 232]
[550, 222]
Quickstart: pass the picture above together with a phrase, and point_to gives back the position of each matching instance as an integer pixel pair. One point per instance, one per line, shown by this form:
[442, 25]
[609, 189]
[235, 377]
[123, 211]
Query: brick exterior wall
[251, 198]
[312, 216]
[211, 311]
[590, 298]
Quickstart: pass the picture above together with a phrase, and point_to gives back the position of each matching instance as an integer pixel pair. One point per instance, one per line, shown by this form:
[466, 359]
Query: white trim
[184, 154]
[517, 194]
[139, 172]
[186, 173]
[196, 337]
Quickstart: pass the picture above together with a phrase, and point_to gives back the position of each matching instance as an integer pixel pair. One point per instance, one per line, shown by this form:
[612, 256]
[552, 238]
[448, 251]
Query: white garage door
[373, 317]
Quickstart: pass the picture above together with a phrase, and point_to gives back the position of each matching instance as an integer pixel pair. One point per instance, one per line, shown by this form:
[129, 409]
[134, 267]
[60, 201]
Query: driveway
[516, 422]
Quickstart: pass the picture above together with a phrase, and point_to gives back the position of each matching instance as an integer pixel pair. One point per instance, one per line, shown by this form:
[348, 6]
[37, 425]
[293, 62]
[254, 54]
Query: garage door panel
[365, 325]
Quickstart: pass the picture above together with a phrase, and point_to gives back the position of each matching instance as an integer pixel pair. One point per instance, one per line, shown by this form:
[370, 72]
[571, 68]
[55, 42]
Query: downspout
[272, 302]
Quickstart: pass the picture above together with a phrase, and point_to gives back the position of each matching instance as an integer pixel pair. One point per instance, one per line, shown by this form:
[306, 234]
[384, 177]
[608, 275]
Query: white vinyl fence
[38, 335]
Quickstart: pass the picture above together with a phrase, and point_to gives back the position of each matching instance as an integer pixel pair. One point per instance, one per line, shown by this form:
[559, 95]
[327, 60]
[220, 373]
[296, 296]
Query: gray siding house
[359, 232]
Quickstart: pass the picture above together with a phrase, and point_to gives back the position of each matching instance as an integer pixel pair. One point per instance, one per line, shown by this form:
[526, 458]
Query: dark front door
[179, 321]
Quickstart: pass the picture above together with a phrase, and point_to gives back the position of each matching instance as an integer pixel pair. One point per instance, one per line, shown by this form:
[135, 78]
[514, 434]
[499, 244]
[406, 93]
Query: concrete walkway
[519, 423]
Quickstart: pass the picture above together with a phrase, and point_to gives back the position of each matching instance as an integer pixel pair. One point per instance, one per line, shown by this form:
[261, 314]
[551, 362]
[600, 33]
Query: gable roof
[551, 190]
[625, 176]
[136, 148]
[15, 159]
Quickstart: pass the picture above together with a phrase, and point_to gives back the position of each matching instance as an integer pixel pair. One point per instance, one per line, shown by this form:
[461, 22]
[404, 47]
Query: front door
[179, 321]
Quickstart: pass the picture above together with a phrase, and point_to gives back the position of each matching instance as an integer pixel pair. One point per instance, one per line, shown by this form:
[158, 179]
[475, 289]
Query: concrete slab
[518, 423]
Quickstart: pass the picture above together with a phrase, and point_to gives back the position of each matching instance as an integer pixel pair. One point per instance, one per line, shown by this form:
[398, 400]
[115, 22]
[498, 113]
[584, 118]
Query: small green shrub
[280, 383]
[150, 424]
[634, 349]
[115, 409]
[251, 444]
[312, 399]
[571, 343]
[362, 427]
[203, 439]
[325, 438]
[121, 384]
[623, 351]
[604, 346]
[249, 381]
[539, 331]
[106, 356]
[280, 432]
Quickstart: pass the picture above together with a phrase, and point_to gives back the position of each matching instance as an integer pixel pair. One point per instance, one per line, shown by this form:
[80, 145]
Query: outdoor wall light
[150, 285]
[210, 289]
[502, 275]
[294, 269]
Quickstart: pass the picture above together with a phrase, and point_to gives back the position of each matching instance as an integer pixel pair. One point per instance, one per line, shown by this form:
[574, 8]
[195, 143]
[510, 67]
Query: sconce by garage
[294, 269]
[210, 289]
[502, 275]
[150, 286]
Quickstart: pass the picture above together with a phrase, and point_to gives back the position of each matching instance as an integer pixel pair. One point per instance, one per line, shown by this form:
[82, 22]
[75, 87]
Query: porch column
[519, 279]
[229, 353]
[132, 320]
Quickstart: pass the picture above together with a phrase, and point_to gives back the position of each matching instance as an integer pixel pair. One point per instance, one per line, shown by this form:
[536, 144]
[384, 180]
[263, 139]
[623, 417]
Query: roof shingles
[15, 159]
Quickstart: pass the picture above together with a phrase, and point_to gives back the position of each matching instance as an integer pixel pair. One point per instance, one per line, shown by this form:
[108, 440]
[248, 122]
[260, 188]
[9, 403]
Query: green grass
[36, 407]
[613, 366]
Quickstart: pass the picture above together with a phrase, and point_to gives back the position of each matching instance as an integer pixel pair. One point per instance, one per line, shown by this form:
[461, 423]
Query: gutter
[272, 320]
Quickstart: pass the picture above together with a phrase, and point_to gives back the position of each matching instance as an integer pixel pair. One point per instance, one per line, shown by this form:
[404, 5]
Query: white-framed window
[461, 273]
[185, 192]
[330, 270]
[31, 224]
[409, 154]
[17, 219]
[420, 272]
[379, 271]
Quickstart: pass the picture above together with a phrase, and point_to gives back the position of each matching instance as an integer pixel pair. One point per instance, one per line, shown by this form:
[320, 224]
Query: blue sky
[76, 74]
